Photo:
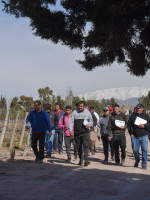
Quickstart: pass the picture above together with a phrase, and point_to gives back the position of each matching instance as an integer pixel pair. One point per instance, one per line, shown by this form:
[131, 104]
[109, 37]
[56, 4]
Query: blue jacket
[39, 121]
[59, 116]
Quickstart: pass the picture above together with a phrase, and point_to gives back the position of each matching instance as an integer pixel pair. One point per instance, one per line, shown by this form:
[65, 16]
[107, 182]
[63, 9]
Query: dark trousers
[119, 141]
[106, 144]
[41, 138]
[68, 141]
[82, 140]
[58, 140]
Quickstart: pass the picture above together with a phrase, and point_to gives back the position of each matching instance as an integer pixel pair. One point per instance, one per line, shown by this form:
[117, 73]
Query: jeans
[41, 138]
[82, 140]
[119, 141]
[68, 141]
[136, 143]
[59, 135]
[49, 142]
[106, 143]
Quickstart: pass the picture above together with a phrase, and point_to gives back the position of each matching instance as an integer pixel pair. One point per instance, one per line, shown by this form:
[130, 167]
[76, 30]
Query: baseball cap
[105, 109]
[139, 106]
[110, 108]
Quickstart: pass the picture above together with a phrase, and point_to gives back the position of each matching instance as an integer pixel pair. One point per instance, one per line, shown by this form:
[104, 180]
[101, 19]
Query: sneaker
[117, 163]
[36, 159]
[40, 161]
[144, 167]
[92, 152]
[122, 161]
[49, 155]
[68, 160]
[136, 165]
[86, 163]
[80, 162]
[106, 160]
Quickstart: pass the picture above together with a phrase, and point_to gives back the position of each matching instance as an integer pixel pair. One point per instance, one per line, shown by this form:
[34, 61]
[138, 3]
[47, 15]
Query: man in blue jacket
[39, 121]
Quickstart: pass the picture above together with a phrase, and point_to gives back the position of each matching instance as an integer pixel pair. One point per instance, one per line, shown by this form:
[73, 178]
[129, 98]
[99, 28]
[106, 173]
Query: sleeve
[94, 120]
[99, 128]
[48, 122]
[147, 126]
[60, 124]
[90, 118]
[109, 128]
[55, 120]
[71, 121]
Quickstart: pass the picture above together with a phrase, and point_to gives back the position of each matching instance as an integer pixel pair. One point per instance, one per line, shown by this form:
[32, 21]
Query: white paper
[120, 123]
[140, 121]
[85, 122]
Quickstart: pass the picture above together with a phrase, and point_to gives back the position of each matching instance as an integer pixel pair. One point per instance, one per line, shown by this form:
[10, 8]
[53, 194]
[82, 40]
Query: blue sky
[28, 63]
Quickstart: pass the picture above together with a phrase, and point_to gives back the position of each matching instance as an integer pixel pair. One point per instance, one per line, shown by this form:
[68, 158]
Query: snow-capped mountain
[122, 94]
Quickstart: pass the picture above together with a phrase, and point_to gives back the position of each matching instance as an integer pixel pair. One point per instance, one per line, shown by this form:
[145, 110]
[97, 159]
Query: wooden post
[28, 138]
[14, 129]
[23, 130]
[4, 128]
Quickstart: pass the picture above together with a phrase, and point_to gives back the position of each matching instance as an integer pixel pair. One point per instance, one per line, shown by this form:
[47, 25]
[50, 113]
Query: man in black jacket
[116, 127]
[138, 128]
[54, 122]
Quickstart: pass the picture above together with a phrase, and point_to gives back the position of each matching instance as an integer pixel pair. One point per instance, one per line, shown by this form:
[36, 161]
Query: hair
[47, 106]
[116, 105]
[38, 102]
[58, 104]
[81, 102]
[92, 108]
[68, 107]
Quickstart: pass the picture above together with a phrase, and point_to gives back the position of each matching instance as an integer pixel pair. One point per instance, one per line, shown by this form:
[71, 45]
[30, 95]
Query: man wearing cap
[103, 131]
[117, 126]
[138, 128]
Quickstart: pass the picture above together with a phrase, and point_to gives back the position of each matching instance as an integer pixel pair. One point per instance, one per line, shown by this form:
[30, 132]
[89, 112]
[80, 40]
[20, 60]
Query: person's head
[37, 105]
[47, 108]
[139, 108]
[110, 109]
[68, 110]
[92, 109]
[135, 110]
[87, 107]
[57, 107]
[106, 111]
[81, 106]
[116, 109]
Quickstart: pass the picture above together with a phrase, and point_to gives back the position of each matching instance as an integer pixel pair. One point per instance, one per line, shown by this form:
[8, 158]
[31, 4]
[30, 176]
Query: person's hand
[98, 137]
[122, 127]
[87, 126]
[71, 133]
[109, 139]
[141, 125]
[50, 134]
[132, 135]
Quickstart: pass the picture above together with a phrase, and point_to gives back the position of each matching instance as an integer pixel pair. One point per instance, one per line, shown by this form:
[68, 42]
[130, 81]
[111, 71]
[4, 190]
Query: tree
[26, 103]
[108, 31]
[3, 104]
[15, 103]
[45, 95]
[145, 101]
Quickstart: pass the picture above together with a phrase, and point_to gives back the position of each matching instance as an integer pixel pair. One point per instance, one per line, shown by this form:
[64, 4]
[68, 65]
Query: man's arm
[48, 123]
[60, 124]
[109, 128]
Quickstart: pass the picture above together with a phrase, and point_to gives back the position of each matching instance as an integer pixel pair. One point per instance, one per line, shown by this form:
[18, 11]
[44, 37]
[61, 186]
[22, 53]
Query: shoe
[92, 152]
[106, 160]
[94, 149]
[136, 165]
[113, 158]
[49, 155]
[36, 159]
[144, 167]
[122, 161]
[86, 163]
[80, 162]
[75, 156]
[40, 161]
[117, 163]
[68, 160]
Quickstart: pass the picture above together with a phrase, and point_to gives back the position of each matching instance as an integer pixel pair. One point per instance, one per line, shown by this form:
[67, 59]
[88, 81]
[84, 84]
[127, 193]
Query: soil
[55, 179]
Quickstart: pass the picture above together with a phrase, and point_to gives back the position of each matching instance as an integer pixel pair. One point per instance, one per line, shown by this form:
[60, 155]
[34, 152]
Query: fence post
[4, 128]
[14, 129]
[23, 130]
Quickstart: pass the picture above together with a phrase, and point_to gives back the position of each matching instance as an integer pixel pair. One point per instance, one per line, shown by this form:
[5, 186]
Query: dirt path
[55, 179]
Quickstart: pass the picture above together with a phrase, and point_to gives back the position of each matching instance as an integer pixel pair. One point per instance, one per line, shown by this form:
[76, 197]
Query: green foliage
[45, 95]
[3, 104]
[145, 101]
[108, 30]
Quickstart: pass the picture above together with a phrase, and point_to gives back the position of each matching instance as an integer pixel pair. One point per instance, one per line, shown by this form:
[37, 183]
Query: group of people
[83, 126]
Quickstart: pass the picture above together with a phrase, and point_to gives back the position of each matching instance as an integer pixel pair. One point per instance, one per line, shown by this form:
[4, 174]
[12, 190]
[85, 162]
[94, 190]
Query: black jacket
[94, 121]
[112, 128]
[53, 119]
[136, 130]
